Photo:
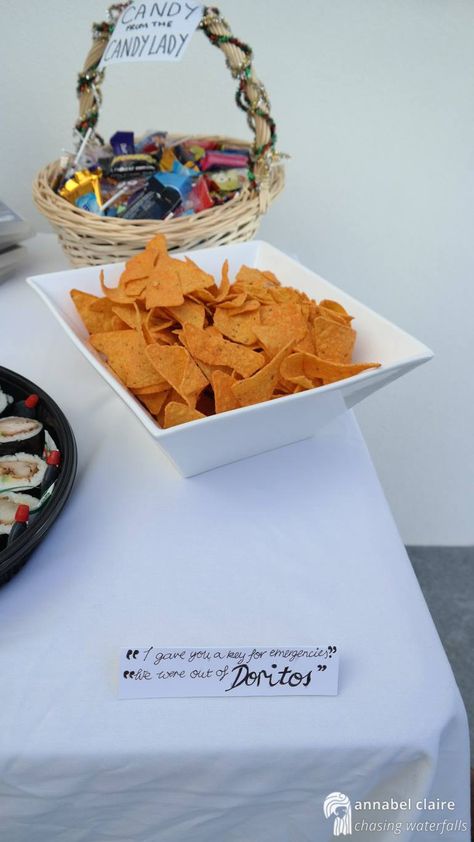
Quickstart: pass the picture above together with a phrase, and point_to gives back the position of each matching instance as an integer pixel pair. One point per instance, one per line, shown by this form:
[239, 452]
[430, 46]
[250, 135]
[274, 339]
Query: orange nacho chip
[179, 413]
[139, 266]
[154, 403]
[190, 312]
[126, 356]
[192, 278]
[314, 368]
[135, 289]
[209, 370]
[163, 287]
[127, 313]
[223, 395]
[335, 309]
[237, 326]
[235, 302]
[306, 343]
[116, 294]
[249, 276]
[96, 313]
[157, 245]
[262, 385]
[281, 324]
[159, 386]
[176, 365]
[332, 340]
[224, 287]
[214, 350]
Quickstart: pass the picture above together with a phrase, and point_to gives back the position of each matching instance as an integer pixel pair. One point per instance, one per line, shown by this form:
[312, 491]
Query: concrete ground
[446, 577]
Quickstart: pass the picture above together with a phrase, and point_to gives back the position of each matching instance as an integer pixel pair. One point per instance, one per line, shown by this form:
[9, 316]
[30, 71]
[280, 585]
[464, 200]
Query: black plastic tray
[13, 558]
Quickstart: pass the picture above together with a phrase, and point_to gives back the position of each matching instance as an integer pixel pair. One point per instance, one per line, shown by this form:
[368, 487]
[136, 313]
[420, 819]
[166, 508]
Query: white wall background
[374, 100]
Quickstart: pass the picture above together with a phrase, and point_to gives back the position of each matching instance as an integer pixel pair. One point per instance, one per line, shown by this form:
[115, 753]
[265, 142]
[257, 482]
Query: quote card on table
[155, 672]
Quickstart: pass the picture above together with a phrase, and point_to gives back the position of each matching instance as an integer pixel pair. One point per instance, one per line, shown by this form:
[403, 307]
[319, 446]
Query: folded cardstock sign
[153, 30]
[157, 672]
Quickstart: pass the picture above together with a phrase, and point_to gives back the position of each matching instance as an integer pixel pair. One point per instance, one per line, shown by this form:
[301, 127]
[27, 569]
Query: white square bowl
[210, 442]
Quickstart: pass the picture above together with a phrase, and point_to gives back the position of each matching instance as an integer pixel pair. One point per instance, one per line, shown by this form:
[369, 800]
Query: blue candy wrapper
[123, 143]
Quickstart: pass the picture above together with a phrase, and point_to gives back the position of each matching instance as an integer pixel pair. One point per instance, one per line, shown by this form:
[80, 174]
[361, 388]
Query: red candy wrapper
[200, 196]
[220, 160]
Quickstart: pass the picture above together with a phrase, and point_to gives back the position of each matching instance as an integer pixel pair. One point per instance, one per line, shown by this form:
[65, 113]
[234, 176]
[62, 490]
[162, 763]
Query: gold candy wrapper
[81, 183]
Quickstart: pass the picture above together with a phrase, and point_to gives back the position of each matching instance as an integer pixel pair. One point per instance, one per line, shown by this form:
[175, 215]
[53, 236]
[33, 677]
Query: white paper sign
[157, 672]
[152, 30]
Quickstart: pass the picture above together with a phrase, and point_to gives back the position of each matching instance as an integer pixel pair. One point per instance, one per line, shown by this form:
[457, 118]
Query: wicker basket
[89, 239]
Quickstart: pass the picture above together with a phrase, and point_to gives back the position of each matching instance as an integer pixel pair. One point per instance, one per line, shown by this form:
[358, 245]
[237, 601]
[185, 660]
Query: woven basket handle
[251, 96]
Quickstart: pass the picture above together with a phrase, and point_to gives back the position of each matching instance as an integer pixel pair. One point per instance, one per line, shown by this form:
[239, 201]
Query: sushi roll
[9, 505]
[20, 434]
[5, 401]
[22, 471]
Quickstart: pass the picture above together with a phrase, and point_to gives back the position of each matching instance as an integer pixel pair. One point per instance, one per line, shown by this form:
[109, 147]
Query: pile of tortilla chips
[187, 346]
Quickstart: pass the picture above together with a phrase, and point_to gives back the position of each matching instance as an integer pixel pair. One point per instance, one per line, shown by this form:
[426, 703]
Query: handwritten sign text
[153, 671]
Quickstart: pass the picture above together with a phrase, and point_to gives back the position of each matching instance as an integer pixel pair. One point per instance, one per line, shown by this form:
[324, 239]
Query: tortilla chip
[189, 312]
[238, 327]
[116, 294]
[225, 283]
[135, 289]
[179, 413]
[154, 403]
[306, 343]
[293, 376]
[249, 306]
[176, 365]
[235, 302]
[96, 313]
[335, 309]
[163, 286]
[281, 324]
[126, 312]
[333, 341]
[223, 395]
[157, 245]
[203, 296]
[161, 385]
[208, 370]
[137, 267]
[191, 277]
[214, 350]
[315, 368]
[249, 275]
[262, 385]
[126, 356]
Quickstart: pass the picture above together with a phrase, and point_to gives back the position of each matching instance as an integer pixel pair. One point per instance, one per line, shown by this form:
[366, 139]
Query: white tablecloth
[296, 546]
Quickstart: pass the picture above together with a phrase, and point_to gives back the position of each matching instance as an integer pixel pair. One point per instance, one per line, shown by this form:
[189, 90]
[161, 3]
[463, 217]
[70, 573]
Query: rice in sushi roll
[21, 471]
[21, 434]
[5, 401]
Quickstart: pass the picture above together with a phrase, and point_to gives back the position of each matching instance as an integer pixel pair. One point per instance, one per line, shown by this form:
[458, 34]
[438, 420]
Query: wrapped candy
[155, 202]
[153, 177]
[215, 159]
[227, 181]
[123, 143]
[124, 167]
[82, 183]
